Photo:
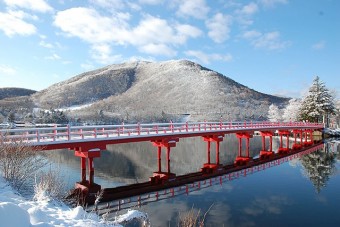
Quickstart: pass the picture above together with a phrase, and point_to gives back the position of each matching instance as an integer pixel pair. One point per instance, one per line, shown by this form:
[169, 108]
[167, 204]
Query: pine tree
[318, 103]
[292, 110]
[274, 114]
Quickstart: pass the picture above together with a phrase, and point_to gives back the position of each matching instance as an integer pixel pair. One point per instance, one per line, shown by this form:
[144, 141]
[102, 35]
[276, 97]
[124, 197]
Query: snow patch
[75, 107]
[13, 215]
[130, 215]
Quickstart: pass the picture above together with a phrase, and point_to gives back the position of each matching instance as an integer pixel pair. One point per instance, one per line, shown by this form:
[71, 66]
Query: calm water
[302, 192]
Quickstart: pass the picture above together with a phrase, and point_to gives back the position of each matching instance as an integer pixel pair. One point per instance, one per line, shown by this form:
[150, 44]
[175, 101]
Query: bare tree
[19, 162]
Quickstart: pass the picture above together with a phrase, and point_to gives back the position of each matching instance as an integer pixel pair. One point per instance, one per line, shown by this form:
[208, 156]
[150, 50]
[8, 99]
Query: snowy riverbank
[17, 211]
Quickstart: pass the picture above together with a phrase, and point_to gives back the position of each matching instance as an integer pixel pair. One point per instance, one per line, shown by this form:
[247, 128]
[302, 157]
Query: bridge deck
[64, 137]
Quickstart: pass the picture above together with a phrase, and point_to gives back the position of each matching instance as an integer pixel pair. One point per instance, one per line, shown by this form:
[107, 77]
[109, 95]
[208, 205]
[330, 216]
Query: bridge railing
[66, 133]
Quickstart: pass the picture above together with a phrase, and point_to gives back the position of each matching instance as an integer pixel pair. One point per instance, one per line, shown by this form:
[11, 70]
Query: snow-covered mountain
[153, 91]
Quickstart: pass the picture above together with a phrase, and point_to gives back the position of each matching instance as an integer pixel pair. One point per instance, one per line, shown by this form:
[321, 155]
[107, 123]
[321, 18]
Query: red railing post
[171, 127]
[95, 132]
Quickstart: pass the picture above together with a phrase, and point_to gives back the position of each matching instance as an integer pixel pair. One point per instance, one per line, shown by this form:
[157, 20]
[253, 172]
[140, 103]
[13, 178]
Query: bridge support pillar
[264, 153]
[83, 169]
[86, 153]
[296, 146]
[241, 159]
[211, 167]
[281, 148]
[163, 176]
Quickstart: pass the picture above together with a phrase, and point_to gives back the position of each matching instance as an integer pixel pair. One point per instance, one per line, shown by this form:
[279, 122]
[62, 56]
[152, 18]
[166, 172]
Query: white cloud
[319, 45]
[151, 32]
[185, 30]
[245, 13]
[134, 6]
[102, 53]
[252, 34]
[249, 9]
[21, 14]
[12, 23]
[193, 8]
[53, 57]
[269, 40]
[219, 27]
[272, 3]
[46, 44]
[156, 30]
[85, 24]
[158, 49]
[207, 58]
[7, 70]
[34, 5]
[151, 2]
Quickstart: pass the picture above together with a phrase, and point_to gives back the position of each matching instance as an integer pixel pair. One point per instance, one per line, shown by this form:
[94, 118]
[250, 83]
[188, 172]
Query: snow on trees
[292, 110]
[274, 113]
[318, 104]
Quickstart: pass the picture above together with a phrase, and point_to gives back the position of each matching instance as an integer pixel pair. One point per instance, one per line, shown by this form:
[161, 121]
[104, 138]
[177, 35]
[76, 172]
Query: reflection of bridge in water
[88, 142]
[189, 183]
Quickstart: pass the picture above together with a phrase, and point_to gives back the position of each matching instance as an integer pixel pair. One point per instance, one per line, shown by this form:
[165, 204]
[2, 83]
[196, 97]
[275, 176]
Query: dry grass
[49, 184]
[192, 218]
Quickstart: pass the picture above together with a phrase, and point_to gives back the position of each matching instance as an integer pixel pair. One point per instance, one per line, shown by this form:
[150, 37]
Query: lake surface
[301, 192]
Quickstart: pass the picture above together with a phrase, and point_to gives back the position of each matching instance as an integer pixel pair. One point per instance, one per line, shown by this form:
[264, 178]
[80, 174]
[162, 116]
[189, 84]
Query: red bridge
[88, 141]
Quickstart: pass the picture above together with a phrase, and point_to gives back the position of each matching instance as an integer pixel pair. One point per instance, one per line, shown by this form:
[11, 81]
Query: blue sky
[272, 46]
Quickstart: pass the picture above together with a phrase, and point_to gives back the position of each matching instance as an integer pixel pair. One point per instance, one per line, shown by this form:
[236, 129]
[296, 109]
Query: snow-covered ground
[75, 107]
[43, 212]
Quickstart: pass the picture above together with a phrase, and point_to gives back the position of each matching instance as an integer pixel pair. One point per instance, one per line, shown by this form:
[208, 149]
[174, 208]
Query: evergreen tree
[318, 103]
[292, 110]
[274, 113]
[11, 117]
